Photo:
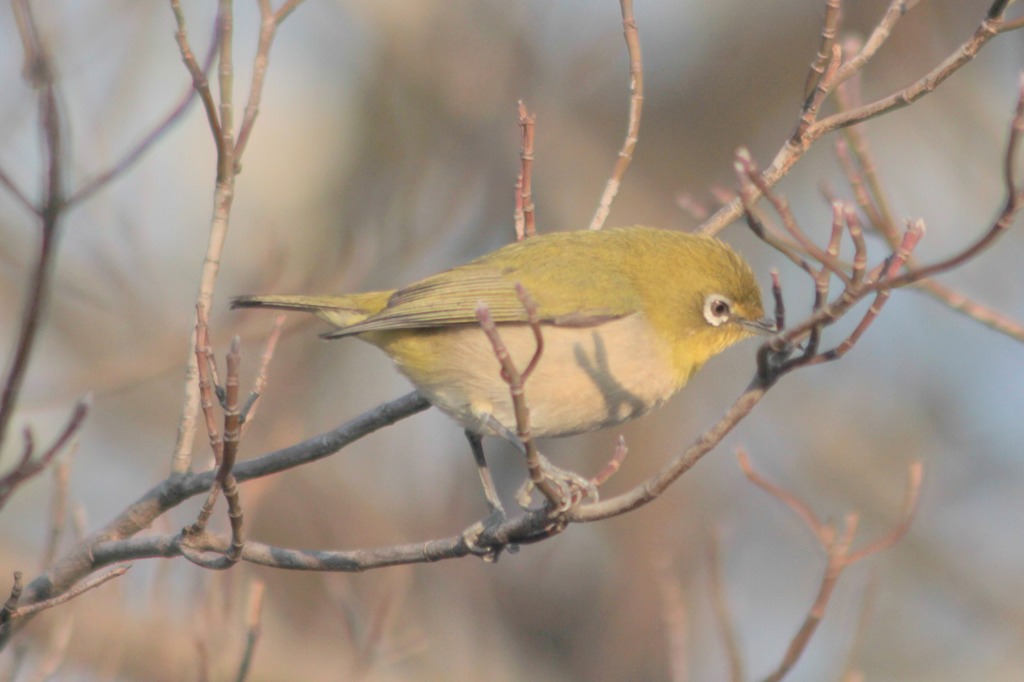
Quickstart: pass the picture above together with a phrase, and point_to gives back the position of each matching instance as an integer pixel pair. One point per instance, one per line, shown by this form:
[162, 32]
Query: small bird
[627, 316]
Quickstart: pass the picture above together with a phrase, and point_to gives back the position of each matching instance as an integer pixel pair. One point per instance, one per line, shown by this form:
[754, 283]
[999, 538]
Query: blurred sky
[386, 148]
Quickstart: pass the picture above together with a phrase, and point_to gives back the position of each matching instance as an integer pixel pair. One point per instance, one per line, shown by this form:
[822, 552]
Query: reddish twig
[225, 448]
[636, 102]
[829, 30]
[723, 614]
[516, 384]
[199, 82]
[229, 154]
[525, 218]
[155, 134]
[780, 305]
[251, 403]
[781, 207]
[791, 152]
[676, 621]
[822, 89]
[31, 463]
[270, 21]
[858, 165]
[763, 229]
[613, 465]
[836, 543]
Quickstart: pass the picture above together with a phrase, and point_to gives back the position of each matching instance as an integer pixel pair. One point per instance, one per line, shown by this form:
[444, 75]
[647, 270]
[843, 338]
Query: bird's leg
[497, 514]
[574, 487]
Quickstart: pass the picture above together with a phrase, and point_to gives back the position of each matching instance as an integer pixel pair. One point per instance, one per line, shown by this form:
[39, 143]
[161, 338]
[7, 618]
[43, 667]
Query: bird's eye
[717, 309]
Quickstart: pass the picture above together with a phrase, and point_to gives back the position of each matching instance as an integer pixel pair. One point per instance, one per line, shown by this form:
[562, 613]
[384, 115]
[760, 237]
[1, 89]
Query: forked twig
[516, 381]
[225, 448]
[229, 156]
[792, 151]
[836, 543]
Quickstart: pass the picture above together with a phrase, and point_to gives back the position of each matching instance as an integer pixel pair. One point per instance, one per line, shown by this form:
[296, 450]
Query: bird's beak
[764, 326]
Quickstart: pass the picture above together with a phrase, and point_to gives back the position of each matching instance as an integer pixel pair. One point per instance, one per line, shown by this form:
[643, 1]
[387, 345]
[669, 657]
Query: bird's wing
[452, 297]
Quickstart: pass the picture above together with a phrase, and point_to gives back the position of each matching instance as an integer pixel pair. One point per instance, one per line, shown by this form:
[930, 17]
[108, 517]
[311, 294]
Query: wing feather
[451, 298]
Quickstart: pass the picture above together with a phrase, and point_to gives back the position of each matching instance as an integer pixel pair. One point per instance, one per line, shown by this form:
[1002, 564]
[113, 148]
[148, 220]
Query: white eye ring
[717, 309]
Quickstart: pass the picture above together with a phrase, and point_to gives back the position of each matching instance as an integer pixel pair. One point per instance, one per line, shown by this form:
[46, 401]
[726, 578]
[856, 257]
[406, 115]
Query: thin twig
[858, 165]
[16, 192]
[39, 72]
[790, 153]
[525, 218]
[723, 614]
[269, 23]
[155, 134]
[836, 545]
[11, 605]
[58, 511]
[65, 597]
[829, 30]
[781, 207]
[254, 629]
[199, 82]
[252, 402]
[636, 103]
[613, 465]
[799, 507]
[30, 463]
[517, 389]
[674, 616]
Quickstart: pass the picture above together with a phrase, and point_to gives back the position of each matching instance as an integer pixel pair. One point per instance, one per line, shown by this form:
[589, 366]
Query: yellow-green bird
[627, 316]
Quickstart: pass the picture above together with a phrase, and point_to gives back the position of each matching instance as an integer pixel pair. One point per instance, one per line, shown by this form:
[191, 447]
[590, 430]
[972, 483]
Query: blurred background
[386, 149]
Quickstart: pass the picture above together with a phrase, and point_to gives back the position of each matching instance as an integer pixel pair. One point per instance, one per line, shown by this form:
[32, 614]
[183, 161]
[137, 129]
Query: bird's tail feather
[339, 311]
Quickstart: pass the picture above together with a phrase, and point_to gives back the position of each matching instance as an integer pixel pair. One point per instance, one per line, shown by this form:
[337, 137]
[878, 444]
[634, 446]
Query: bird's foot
[573, 488]
[488, 527]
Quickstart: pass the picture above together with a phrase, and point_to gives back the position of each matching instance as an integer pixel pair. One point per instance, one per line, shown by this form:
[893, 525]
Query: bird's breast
[586, 378]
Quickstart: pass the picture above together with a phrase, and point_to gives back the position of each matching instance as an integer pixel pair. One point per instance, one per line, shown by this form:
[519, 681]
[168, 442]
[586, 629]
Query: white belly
[587, 378]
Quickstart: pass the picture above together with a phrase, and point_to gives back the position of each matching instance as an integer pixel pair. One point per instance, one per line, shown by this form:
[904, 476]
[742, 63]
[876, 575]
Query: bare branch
[674, 616]
[269, 23]
[157, 133]
[65, 597]
[525, 219]
[723, 614]
[829, 30]
[836, 546]
[516, 384]
[255, 613]
[614, 464]
[913, 496]
[791, 152]
[39, 72]
[31, 464]
[11, 605]
[636, 103]
[799, 507]
[199, 82]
